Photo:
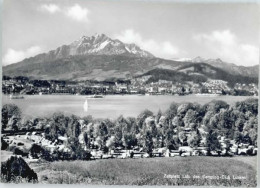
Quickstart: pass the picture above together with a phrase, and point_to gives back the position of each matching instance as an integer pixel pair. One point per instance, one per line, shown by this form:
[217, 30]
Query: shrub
[37, 151]
[16, 167]
[4, 144]
[18, 151]
[249, 152]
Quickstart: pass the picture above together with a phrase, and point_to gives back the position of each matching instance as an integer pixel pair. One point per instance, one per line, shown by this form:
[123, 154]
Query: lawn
[152, 171]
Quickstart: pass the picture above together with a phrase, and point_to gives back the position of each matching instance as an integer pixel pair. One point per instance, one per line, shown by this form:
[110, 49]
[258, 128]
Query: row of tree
[187, 124]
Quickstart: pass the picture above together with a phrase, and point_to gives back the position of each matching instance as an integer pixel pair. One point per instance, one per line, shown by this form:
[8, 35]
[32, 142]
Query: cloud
[51, 8]
[225, 45]
[78, 13]
[160, 49]
[14, 56]
[75, 12]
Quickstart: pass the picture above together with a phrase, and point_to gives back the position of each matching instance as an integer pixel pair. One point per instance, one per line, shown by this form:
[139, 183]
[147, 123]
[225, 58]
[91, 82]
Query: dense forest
[186, 124]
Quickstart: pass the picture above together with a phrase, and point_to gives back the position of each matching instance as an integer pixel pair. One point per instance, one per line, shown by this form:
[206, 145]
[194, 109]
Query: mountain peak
[219, 60]
[198, 59]
[97, 35]
[100, 44]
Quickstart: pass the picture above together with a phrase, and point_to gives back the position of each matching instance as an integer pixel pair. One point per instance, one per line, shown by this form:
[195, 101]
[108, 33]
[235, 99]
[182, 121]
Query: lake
[111, 106]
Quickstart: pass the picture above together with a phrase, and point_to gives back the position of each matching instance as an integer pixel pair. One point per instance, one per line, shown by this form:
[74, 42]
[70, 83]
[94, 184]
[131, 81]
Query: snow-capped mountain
[99, 57]
[99, 44]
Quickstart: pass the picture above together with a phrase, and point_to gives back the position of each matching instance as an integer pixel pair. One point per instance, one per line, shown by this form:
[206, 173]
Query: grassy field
[152, 171]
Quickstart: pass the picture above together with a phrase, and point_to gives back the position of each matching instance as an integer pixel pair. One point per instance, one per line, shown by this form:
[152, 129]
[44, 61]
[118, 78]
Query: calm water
[108, 107]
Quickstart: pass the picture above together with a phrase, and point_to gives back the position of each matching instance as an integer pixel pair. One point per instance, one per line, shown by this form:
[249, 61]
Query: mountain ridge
[251, 71]
[98, 44]
[197, 73]
[100, 57]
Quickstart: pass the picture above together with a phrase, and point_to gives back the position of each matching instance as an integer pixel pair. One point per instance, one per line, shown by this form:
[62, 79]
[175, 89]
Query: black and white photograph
[130, 92]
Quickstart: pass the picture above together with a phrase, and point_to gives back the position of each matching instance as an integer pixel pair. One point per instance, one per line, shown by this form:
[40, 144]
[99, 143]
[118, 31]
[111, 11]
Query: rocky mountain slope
[100, 57]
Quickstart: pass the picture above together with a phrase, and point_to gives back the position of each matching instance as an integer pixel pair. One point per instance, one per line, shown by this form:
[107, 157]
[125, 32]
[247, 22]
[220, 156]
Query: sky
[170, 30]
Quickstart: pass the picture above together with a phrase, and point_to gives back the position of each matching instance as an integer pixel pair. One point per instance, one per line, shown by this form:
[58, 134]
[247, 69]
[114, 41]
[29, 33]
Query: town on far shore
[138, 85]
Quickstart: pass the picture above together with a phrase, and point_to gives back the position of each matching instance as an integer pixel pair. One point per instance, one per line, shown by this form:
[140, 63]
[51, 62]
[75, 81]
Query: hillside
[85, 67]
[100, 58]
[199, 72]
[250, 71]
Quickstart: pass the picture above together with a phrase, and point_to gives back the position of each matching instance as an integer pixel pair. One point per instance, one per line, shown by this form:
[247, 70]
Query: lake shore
[111, 106]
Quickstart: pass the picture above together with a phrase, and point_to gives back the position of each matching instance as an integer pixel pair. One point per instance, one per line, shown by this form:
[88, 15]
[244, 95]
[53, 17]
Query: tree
[190, 119]
[100, 133]
[207, 117]
[37, 151]
[149, 124]
[132, 125]
[129, 140]
[212, 142]
[238, 137]
[182, 137]
[81, 154]
[170, 114]
[11, 116]
[86, 139]
[253, 136]
[88, 119]
[57, 125]
[109, 126]
[158, 116]
[17, 167]
[51, 131]
[110, 143]
[250, 105]
[141, 118]
[228, 146]
[73, 129]
[177, 122]
[4, 144]
[90, 130]
[27, 124]
[251, 123]
[148, 142]
[171, 140]
[215, 106]
[183, 108]
[194, 139]
[239, 124]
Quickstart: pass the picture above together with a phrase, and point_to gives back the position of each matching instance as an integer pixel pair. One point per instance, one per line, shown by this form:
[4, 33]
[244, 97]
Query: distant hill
[101, 58]
[199, 72]
[251, 71]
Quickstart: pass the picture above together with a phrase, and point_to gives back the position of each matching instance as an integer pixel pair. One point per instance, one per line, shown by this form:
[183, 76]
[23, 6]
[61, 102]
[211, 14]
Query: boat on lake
[96, 96]
[207, 94]
[85, 106]
[12, 96]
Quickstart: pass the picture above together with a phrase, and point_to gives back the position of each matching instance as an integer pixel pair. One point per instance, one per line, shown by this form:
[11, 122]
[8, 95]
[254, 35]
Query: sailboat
[85, 106]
